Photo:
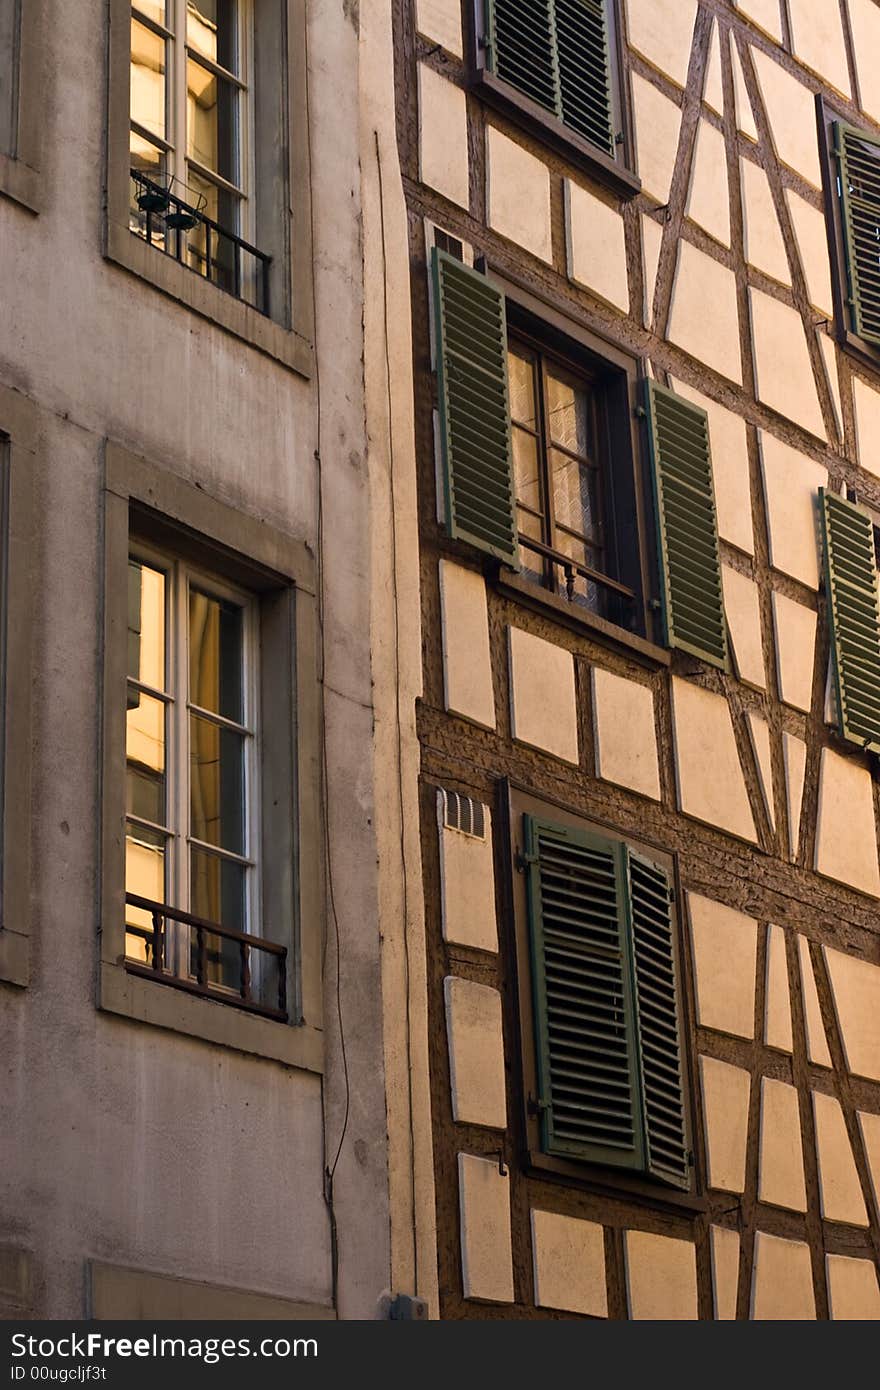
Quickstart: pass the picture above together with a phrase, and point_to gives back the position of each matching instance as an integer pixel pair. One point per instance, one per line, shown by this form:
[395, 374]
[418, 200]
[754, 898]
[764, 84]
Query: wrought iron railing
[572, 569]
[156, 966]
[167, 221]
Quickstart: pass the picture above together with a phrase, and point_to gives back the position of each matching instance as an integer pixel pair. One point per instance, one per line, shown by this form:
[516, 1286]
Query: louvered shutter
[858, 156]
[854, 615]
[474, 413]
[687, 531]
[657, 1007]
[556, 53]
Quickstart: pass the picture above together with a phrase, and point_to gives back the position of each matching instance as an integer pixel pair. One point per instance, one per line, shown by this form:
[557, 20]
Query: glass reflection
[218, 895]
[146, 624]
[211, 27]
[147, 78]
[145, 757]
[215, 655]
[144, 876]
[211, 122]
[153, 9]
[216, 785]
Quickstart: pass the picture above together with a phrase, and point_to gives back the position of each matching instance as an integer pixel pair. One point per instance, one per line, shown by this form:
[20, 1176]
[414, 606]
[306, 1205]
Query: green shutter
[854, 616]
[858, 156]
[687, 531]
[657, 1001]
[556, 53]
[474, 413]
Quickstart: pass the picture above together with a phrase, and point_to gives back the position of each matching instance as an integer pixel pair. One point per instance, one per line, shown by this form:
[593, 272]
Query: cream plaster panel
[486, 1253]
[794, 627]
[657, 122]
[794, 755]
[568, 1259]
[811, 235]
[708, 773]
[869, 1126]
[817, 1042]
[777, 1016]
[855, 985]
[745, 119]
[476, 1053]
[839, 1188]
[661, 1277]
[817, 40]
[467, 661]
[791, 112]
[726, 1107]
[864, 18]
[783, 368]
[652, 239]
[725, 950]
[443, 136]
[708, 201]
[846, 834]
[781, 1161]
[853, 1291]
[743, 611]
[828, 349]
[467, 881]
[596, 245]
[763, 242]
[764, 13]
[542, 695]
[782, 1281]
[440, 20]
[713, 337]
[626, 737]
[730, 469]
[713, 90]
[760, 735]
[518, 194]
[725, 1272]
[662, 31]
[791, 492]
[867, 411]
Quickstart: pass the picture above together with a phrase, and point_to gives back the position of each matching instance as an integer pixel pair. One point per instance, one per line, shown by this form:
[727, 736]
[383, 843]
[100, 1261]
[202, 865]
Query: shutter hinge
[537, 1107]
[522, 861]
[690, 1158]
[640, 412]
[618, 139]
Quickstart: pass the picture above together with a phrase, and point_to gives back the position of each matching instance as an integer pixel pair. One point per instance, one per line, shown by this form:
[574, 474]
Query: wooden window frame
[20, 167]
[826, 115]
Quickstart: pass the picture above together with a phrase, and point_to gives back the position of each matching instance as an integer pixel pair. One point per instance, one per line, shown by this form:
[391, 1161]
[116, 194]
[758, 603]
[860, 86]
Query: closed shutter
[687, 531]
[474, 413]
[858, 156]
[556, 53]
[854, 616]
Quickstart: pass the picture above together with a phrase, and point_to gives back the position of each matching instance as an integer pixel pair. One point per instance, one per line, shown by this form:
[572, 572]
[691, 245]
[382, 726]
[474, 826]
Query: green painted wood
[858, 157]
[854, 616]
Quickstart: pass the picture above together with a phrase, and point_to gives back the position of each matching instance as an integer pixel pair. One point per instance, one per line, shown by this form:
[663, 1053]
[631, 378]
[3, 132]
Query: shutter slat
[693, 608]
[858, 155]
[474, 413]
[854, 616]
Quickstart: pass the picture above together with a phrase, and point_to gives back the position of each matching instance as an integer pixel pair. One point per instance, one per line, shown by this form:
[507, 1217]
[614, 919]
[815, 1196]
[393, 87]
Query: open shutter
[657, 1007]
[687, 531]
[556, 53]
[583, 1001]
[858, 156]
[474, 413]
[854, 615]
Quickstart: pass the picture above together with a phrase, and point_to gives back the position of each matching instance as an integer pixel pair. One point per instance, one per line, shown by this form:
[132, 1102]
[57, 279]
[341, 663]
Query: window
[207, 161]
[555, 65]
[212, 892]
[21, 99]
[854, 617]
[600, 999]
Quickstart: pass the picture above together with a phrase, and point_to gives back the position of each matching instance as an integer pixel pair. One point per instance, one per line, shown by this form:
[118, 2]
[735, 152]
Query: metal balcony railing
[571, 570]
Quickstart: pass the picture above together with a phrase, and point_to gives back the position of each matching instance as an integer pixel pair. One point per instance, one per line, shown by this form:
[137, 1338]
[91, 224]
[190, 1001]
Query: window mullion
[178, 95]
[549, 522]
[181, 745]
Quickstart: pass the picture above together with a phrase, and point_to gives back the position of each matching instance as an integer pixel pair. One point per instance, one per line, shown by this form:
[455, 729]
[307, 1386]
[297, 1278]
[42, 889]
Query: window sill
[127, 249]
[541, 125]
[20, 182]
[622, 1186]
[146, 1001]
[580, 619]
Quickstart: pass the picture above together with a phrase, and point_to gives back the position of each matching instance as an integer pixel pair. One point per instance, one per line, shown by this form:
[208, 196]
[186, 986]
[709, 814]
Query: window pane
[521, 376]
[576, 500]
[211, 27]
[145, 757]
[8, 64]
[145, 156]
[153, 9]
[570, 410]
[586, 592]
[217, 263]
[147, 78]
[216, 785]
[144, 876]
[532, 564]
[215, 655]
[218, 894]
[212, 121]
[146, 624]
[525, 464]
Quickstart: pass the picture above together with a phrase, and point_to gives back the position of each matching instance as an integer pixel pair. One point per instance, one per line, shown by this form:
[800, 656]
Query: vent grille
[693, 605]
[859, 163]
[851, 582]
[464, 814]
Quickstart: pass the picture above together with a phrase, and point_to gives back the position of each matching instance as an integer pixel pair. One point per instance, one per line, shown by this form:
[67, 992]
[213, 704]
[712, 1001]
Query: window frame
[19, 434]
[288, 337]
[620, 176]
[826, 116]
[143, 499]
[20, 168]
[515, 801]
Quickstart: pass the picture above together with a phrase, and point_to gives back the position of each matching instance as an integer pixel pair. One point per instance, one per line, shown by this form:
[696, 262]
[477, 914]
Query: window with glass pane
[559, 454]
[190, 768]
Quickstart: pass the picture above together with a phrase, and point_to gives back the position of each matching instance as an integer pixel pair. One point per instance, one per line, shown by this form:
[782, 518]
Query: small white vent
[464, 814]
